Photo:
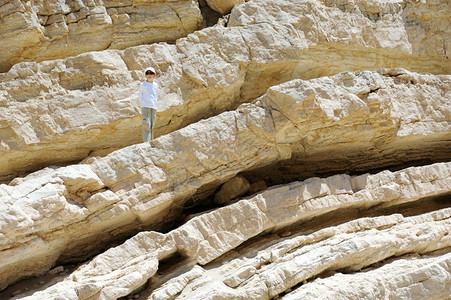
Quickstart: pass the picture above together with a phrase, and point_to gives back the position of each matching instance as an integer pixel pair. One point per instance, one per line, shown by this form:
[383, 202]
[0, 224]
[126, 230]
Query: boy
[148, 94]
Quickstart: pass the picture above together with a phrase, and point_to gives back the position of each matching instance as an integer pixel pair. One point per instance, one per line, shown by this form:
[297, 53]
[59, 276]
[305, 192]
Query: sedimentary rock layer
[412, 277]
[59, 111]
[43, 30]
[334, 92]
[68, 213]
[375, 128]
[274, 267]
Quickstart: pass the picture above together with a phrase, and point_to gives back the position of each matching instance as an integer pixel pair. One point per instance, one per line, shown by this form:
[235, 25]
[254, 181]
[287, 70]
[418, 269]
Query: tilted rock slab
[416, 27]
[373, 127]
[44, 30]
[66, 214]
[274, 268]
[265, 272]
[61, 111]
[417, 277]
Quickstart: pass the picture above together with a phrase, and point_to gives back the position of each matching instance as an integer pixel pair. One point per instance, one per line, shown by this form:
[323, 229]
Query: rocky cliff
[303, 150]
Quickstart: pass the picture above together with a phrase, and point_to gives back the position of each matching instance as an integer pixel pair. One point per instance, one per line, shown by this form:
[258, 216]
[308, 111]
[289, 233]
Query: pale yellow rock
[224, 6]
[117, 272]
[136, 191]
[43, 30]
[147, 185]
[87, 105]
[277, 267]
[233, 188]
[319, 109]
[265, 272]
[424, 25]
[174, 286]
[315, 233]
[416, 277]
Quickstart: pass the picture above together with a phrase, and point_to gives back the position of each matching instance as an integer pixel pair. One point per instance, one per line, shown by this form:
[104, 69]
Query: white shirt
[148, 93]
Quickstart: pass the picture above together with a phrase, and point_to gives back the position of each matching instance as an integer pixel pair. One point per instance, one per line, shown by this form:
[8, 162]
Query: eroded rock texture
[43, 30]
[276, 263]
[303, 150]
[208, 72]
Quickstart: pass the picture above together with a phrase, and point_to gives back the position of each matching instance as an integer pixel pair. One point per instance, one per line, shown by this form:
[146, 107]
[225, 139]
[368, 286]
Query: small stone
[56, 270]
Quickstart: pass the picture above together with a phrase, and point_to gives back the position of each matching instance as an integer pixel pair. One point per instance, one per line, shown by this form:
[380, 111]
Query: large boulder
[223, 6]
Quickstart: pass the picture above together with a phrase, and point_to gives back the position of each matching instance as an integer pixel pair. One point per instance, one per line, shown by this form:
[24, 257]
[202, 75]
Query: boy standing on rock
[148, 94]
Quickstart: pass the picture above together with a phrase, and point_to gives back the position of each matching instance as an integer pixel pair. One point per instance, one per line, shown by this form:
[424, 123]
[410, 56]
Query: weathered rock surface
[224, 6]
[233, 188]
[303, 150]
[43, 30]
[385, 127]
[288, 261]
[417, 277]
[60, 111]
[68, 213]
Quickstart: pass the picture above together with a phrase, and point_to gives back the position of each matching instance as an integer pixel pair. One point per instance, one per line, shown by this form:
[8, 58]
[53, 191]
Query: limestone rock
[61, 111]
[224, 6]
[291, 261]
[233, 188]
[284, 261]
[52, 216]
[385, 24]
[43, 30]
[302, 152]
[424, 26]
[415, 277]
[311, 148]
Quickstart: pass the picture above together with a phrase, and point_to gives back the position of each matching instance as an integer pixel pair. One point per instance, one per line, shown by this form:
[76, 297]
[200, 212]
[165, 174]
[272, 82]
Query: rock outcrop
[43, 30]
[283, 262]
[299, 120]
[303, 150]
[64, 110]
[223, 6]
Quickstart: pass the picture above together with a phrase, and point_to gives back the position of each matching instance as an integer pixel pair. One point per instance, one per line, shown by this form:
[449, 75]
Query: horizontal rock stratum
[303, 150]
[43, 30]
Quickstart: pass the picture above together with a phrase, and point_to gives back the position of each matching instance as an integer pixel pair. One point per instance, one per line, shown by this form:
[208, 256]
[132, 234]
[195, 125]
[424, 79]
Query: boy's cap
[150, 69]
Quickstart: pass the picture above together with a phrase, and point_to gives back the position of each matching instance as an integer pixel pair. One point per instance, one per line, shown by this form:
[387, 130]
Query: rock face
[43, 30]
[285, 262]
[303, 150]
[204, 74]
[134, 187]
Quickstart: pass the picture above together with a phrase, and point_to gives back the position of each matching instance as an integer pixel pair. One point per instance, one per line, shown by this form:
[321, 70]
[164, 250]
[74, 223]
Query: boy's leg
[146, 123]
[153, 116]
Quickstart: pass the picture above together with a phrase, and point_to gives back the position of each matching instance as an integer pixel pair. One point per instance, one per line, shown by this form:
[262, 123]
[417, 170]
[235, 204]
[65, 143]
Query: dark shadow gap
[340, 216]
[210, 16]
